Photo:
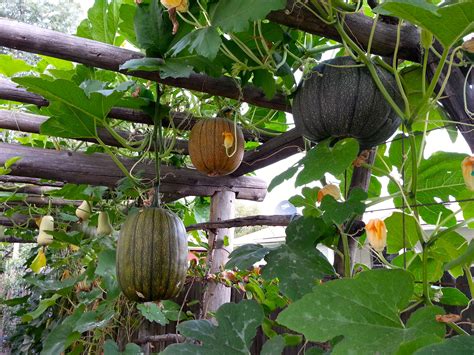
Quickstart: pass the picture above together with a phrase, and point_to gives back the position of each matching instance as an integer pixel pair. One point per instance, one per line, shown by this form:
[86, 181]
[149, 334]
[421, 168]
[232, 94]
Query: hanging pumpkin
[343, 102]
[216, 146]
[152, 252]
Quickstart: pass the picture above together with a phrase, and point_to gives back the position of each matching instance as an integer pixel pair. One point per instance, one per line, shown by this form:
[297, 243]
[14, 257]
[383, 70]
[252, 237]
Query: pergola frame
[176, 183]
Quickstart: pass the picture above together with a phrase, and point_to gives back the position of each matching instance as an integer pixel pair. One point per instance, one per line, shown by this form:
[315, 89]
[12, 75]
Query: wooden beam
[358, 26]
[39, 201]
[26, 122]
[100, 55]
[27, 180]
[98, 169]
[276, 149]
[181, 120]
[260, 220]
[216, 294]
[27, 189]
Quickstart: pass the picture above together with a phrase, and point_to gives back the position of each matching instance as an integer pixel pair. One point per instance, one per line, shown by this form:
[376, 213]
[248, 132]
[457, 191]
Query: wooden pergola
[98, 169]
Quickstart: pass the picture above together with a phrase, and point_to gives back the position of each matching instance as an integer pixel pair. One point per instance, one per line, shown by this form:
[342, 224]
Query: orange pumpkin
[214, 148]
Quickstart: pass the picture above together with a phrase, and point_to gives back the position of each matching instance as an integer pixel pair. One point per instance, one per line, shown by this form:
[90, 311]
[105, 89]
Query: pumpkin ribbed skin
[152, 255]
[345, 102]
[206, 147]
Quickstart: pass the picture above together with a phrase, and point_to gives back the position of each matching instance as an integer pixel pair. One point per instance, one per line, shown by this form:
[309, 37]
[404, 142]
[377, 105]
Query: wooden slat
[99, 170]
[260, 220]
[100, 55]
[26, 122]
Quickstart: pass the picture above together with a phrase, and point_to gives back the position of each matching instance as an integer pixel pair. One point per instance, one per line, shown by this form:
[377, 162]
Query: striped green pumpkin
[340, 100]
[152, 255]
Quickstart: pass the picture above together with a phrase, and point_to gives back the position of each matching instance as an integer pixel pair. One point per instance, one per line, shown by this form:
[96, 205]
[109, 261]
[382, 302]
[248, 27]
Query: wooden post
[222, 208]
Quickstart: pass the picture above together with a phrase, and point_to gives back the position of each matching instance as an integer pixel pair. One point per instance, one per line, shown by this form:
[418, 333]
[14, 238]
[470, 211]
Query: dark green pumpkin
[152, 255]
[345, 102]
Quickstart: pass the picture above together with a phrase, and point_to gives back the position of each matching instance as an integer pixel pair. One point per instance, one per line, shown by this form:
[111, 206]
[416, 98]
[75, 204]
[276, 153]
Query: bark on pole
[222, 208]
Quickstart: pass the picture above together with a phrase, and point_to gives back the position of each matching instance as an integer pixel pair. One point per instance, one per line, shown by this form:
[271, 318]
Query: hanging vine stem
[158, 141]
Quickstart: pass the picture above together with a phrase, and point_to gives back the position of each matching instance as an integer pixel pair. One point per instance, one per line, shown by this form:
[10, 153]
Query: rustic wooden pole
[99, 170]
[100, 55]
[26, 122]
[222, 208]
[27, 180]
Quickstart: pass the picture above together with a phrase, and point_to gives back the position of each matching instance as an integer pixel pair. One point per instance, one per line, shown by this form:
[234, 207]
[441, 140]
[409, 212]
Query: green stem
[457, 328]
[347, 255]
[470, 282]
[426, 286]
[157, 138]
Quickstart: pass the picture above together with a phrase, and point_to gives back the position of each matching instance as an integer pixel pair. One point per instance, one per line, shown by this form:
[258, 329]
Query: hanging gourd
[103, 225]
[340, 100]
[152, 248]
[84, 211]
[46, 225]
[152, 255]
[216, 146]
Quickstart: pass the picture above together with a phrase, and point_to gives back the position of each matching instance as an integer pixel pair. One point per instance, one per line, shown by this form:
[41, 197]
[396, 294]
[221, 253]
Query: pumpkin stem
[157, 140]
[230, 140]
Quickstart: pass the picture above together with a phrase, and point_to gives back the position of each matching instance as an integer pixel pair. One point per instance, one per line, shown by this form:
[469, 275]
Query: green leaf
[459, 345]
[106, 263]
[298, 265]
[395, 224]
[9, 162]
[466, 258]
[93, 320]
[234, 15]
[265, 80]
[38, 262]
[175, 68]
[284, 176]
[152, 312]
[447, 248]
[111, 348]
[126, 26]
[74, 114]
[237, 326]
[365, 311]
[453, 297]
[63, 335]
[245, 256]
[102, 22]
[143, 64]
[9, 66]
[42, 307]
[153, 28]
[203, 41]
[340, 212]
[273, 346]
[448, 24]
[325, 159]
[307, 201]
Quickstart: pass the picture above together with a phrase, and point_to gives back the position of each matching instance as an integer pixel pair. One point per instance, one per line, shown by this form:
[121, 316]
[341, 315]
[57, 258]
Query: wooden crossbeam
[358, 26]
[26, 122]
[99, 170]
[12, 179]
[181, 120]
[274, 150]
[260, 220]
[33, 39]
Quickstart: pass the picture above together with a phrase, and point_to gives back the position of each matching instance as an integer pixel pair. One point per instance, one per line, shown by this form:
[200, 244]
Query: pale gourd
[47, 224]
[104, 227]
[83, 212]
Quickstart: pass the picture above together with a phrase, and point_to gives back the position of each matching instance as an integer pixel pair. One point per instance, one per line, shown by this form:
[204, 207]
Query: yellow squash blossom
[332, 190]
[376, 234]
[179, 5]
[467, 168]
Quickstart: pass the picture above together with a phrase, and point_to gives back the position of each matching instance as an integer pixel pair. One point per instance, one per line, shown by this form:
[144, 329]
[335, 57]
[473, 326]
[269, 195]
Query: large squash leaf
[298, 265]
[74, 113]
[448, 24]
[237, 326]
[102, 22]
[234, 15]
[395, 232]
[459, 345]
[365, 311]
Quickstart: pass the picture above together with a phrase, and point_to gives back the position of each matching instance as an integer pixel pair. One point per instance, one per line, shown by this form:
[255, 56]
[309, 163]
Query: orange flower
[332, 190]
[228, 139]
[179, 5]
[377, 234]
[467, 168]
